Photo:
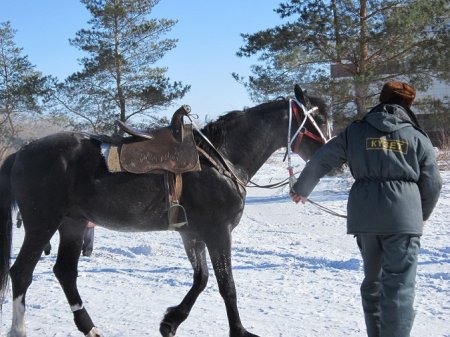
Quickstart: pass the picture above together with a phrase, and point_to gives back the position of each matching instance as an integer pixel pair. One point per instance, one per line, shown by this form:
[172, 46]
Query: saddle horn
[176, 124]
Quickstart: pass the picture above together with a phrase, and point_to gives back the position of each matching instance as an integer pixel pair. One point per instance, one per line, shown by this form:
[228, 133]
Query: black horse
[61, 181]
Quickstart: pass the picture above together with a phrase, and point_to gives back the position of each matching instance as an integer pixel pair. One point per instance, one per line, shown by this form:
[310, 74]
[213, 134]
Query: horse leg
[21, 274]
[174, 316]
[66, 271]
[219, 249]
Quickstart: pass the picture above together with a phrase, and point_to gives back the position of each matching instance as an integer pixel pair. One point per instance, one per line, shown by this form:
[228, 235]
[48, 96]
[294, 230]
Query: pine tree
[120, 78]
[364, 43]
[21, 87]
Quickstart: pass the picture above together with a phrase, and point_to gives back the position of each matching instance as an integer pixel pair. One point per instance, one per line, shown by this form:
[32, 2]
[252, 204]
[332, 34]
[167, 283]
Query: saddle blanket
[111, 155]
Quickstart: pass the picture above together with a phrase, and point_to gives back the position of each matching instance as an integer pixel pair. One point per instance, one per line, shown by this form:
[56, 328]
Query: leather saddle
[170, 148]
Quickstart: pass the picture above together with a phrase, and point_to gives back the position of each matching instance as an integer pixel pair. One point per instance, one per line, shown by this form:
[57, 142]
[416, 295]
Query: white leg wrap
[18, 319]
[94, 333]
[76, 307]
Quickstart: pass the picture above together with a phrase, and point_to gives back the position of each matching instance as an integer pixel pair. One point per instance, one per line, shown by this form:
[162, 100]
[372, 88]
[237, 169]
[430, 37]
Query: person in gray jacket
[397, 185]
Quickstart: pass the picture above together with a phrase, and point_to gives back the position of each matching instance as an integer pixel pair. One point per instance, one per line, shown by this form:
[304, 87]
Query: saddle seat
[170, 148]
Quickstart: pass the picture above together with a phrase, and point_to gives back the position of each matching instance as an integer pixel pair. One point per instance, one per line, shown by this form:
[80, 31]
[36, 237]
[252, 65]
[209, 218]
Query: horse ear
[301, 96]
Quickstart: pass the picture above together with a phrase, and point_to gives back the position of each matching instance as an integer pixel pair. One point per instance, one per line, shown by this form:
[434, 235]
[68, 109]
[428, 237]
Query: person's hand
[298, 198]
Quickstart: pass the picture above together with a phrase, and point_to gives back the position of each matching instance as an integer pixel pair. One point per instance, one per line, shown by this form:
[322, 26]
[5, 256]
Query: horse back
[50, 167]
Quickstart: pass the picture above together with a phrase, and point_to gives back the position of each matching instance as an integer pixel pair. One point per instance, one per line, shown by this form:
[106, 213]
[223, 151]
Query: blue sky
[208, 32]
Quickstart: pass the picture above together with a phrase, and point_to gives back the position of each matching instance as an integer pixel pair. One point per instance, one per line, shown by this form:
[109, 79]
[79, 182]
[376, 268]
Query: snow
[296, 270]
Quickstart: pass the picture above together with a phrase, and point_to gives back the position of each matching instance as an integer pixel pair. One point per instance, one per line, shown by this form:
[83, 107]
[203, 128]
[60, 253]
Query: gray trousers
[387, 292]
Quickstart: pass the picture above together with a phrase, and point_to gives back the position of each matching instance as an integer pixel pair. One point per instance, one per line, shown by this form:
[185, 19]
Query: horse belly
[129, 202]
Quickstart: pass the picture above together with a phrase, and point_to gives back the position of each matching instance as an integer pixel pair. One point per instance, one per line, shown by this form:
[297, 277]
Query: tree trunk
[361, 90]
[361, 86]
[118, 70]
[337, 35]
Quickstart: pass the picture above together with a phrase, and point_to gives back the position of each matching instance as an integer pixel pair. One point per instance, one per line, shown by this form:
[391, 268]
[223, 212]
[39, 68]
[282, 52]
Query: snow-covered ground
[297, 274]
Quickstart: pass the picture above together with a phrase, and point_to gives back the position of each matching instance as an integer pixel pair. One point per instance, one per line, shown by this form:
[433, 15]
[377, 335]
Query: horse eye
[319, 118]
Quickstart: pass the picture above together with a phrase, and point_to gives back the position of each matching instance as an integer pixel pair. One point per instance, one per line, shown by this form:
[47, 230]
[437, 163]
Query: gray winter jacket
[397, 181]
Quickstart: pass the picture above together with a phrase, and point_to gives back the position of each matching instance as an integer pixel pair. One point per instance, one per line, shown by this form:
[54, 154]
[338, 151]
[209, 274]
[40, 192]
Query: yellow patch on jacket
[384, 144]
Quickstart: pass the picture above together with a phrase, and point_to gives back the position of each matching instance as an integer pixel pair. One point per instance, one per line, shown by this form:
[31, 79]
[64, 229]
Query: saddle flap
[162, 152]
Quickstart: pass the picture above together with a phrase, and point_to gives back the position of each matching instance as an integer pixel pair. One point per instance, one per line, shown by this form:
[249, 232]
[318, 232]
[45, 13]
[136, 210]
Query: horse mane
[217, 130]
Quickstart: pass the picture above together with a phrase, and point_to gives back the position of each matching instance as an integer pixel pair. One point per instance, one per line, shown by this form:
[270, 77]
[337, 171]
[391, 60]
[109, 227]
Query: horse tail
[6, 203]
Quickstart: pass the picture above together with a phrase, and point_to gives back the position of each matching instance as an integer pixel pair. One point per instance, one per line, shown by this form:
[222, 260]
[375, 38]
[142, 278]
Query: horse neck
[249, 140]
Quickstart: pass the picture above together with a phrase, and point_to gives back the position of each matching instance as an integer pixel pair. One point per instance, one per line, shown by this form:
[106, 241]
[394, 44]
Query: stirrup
[175, 212]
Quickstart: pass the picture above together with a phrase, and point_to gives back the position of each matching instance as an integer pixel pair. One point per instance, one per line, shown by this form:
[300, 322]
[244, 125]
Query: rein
[327, 210]
[226, 170]
[301, 131]
[288, 181]
[293, 111]
[282, 183]
[225, 167]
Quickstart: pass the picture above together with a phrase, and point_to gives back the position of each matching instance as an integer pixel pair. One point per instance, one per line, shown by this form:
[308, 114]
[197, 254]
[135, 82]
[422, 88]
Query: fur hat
[398, 92]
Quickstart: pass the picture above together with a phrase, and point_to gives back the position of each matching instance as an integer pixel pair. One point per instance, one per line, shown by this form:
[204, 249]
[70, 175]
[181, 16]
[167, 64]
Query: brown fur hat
[398, 92]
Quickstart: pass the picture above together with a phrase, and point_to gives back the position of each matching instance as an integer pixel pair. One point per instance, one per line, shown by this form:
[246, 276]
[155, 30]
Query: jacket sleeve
[430, 181]
[332, 155]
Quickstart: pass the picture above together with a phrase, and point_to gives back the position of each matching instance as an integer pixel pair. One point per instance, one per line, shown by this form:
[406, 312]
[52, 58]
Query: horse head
[307, 124]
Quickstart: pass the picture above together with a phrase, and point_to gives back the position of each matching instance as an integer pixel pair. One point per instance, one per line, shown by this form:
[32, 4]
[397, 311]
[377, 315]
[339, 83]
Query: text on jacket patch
[387, 145]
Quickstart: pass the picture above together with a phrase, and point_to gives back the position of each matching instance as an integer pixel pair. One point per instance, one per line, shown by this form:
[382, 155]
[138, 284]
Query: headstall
[294, 141]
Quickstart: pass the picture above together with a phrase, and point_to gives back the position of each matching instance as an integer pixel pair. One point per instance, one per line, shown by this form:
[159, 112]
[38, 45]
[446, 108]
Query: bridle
[302, 133]
[294, 106]
[294, 141]
[300, 114]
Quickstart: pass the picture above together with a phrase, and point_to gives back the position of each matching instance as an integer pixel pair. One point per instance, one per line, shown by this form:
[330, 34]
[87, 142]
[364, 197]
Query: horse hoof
[166, 330]
[94, 333]
[242, 333]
